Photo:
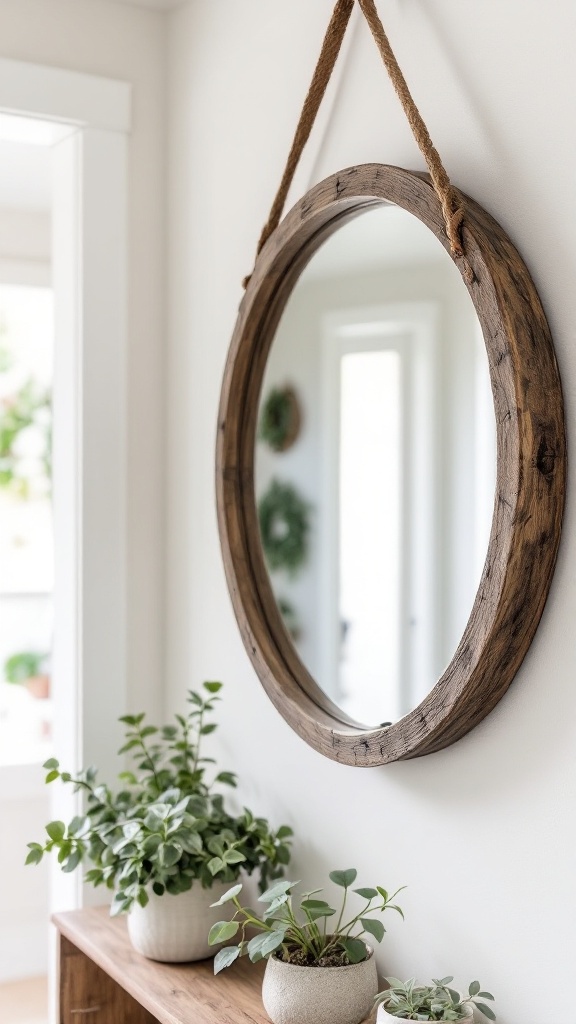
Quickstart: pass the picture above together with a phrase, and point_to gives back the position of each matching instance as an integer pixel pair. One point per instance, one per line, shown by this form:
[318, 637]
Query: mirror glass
[376, 464]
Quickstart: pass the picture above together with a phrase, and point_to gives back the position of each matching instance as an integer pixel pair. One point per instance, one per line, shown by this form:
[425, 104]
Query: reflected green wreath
[280, 419]
[284, 527]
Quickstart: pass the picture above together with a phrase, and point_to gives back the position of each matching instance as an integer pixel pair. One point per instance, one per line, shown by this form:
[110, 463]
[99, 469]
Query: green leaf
[192, 842]
[215, 865]
[72, 862]
[284, 832]
[225, 957]
[212, 687]
[275, 905]
[51, 763]
[234, 857]
[227, 779]
[150, 730]
[222, 931]
[344, 878]
[278, 889]
[52, 776]
[486, 1010]
[56, 830]
[376, 928]
[485, 995]
[383, 893]
[170, 855]
[367, 894]
[215, 845]
[474, 988]
[79, 826]
[316, 909]
[355, 950]
[227, 896]
[143, 898]
[262, 945]
[35, 855]
[394, 906]
[207, 729]
[158, 888]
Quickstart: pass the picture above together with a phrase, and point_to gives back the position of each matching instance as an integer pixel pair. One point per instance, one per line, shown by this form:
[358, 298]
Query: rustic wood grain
[103, 980]
[89, 996]
[530, 473]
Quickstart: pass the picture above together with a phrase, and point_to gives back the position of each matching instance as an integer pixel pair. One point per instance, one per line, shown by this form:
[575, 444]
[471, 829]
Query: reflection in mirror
[392, 472]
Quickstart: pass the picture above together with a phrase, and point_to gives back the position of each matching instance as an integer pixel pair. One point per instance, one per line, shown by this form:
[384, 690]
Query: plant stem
[148, 758]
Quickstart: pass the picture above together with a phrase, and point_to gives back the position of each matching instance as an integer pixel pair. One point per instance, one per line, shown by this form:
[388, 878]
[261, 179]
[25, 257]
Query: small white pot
[174, 929]
[383, 1017]
[319, 995]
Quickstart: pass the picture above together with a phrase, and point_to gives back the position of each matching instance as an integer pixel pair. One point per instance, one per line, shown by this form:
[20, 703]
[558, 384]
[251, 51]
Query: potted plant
[164, 841]
[409, 1001]
[318, 971]
[29, 669]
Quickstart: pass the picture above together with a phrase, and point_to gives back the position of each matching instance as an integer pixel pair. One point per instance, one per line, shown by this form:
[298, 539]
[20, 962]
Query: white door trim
[369, 328]
[68, 97]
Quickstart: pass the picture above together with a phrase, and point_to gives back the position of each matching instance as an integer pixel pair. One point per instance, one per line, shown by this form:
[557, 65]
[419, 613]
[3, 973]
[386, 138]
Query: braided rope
[448, 196]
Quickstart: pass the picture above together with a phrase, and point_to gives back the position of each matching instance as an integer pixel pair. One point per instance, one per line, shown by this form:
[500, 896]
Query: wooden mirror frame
[531, 468]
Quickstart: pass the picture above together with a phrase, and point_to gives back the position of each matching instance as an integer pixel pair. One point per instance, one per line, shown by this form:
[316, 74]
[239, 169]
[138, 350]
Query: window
[26, 542]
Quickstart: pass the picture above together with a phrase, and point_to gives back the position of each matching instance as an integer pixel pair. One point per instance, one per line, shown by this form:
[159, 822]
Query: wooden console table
[103, 980]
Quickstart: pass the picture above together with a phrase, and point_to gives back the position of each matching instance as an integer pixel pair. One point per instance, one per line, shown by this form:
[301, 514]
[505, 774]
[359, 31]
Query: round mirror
[390, 467]
[375, 519]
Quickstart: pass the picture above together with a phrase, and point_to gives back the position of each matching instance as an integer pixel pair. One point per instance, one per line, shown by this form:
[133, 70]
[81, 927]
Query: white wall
[126, 43]
[482, 833]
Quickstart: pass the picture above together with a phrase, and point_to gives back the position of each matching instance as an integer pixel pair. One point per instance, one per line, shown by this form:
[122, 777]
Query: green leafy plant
[24, 665]
[410, 1001]
[305, 936]
[29, 407]
[166, 826]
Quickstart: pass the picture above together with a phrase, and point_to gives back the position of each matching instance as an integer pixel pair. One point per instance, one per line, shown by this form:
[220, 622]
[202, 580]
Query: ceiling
[384, 237]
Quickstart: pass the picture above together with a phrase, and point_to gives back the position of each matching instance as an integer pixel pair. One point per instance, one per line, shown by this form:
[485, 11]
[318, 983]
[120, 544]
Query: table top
[172, 993]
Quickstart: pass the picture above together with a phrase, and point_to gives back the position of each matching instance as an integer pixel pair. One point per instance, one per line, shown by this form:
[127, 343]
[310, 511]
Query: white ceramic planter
[319, 995]
[383, 1017]
[174, 929]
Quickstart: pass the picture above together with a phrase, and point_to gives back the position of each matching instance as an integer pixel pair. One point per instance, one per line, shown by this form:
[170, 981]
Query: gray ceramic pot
[319, 995]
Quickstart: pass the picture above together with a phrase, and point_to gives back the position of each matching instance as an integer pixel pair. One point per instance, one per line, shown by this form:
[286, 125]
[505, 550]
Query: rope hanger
[448, 196]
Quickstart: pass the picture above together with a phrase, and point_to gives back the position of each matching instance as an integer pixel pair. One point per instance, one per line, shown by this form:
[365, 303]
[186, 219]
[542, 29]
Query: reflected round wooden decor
[530, 473]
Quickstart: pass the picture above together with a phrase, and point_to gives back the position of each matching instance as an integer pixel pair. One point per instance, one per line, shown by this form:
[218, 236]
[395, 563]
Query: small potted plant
[164, 842]
[29, 669]
[320, 969]
[409, 1001]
